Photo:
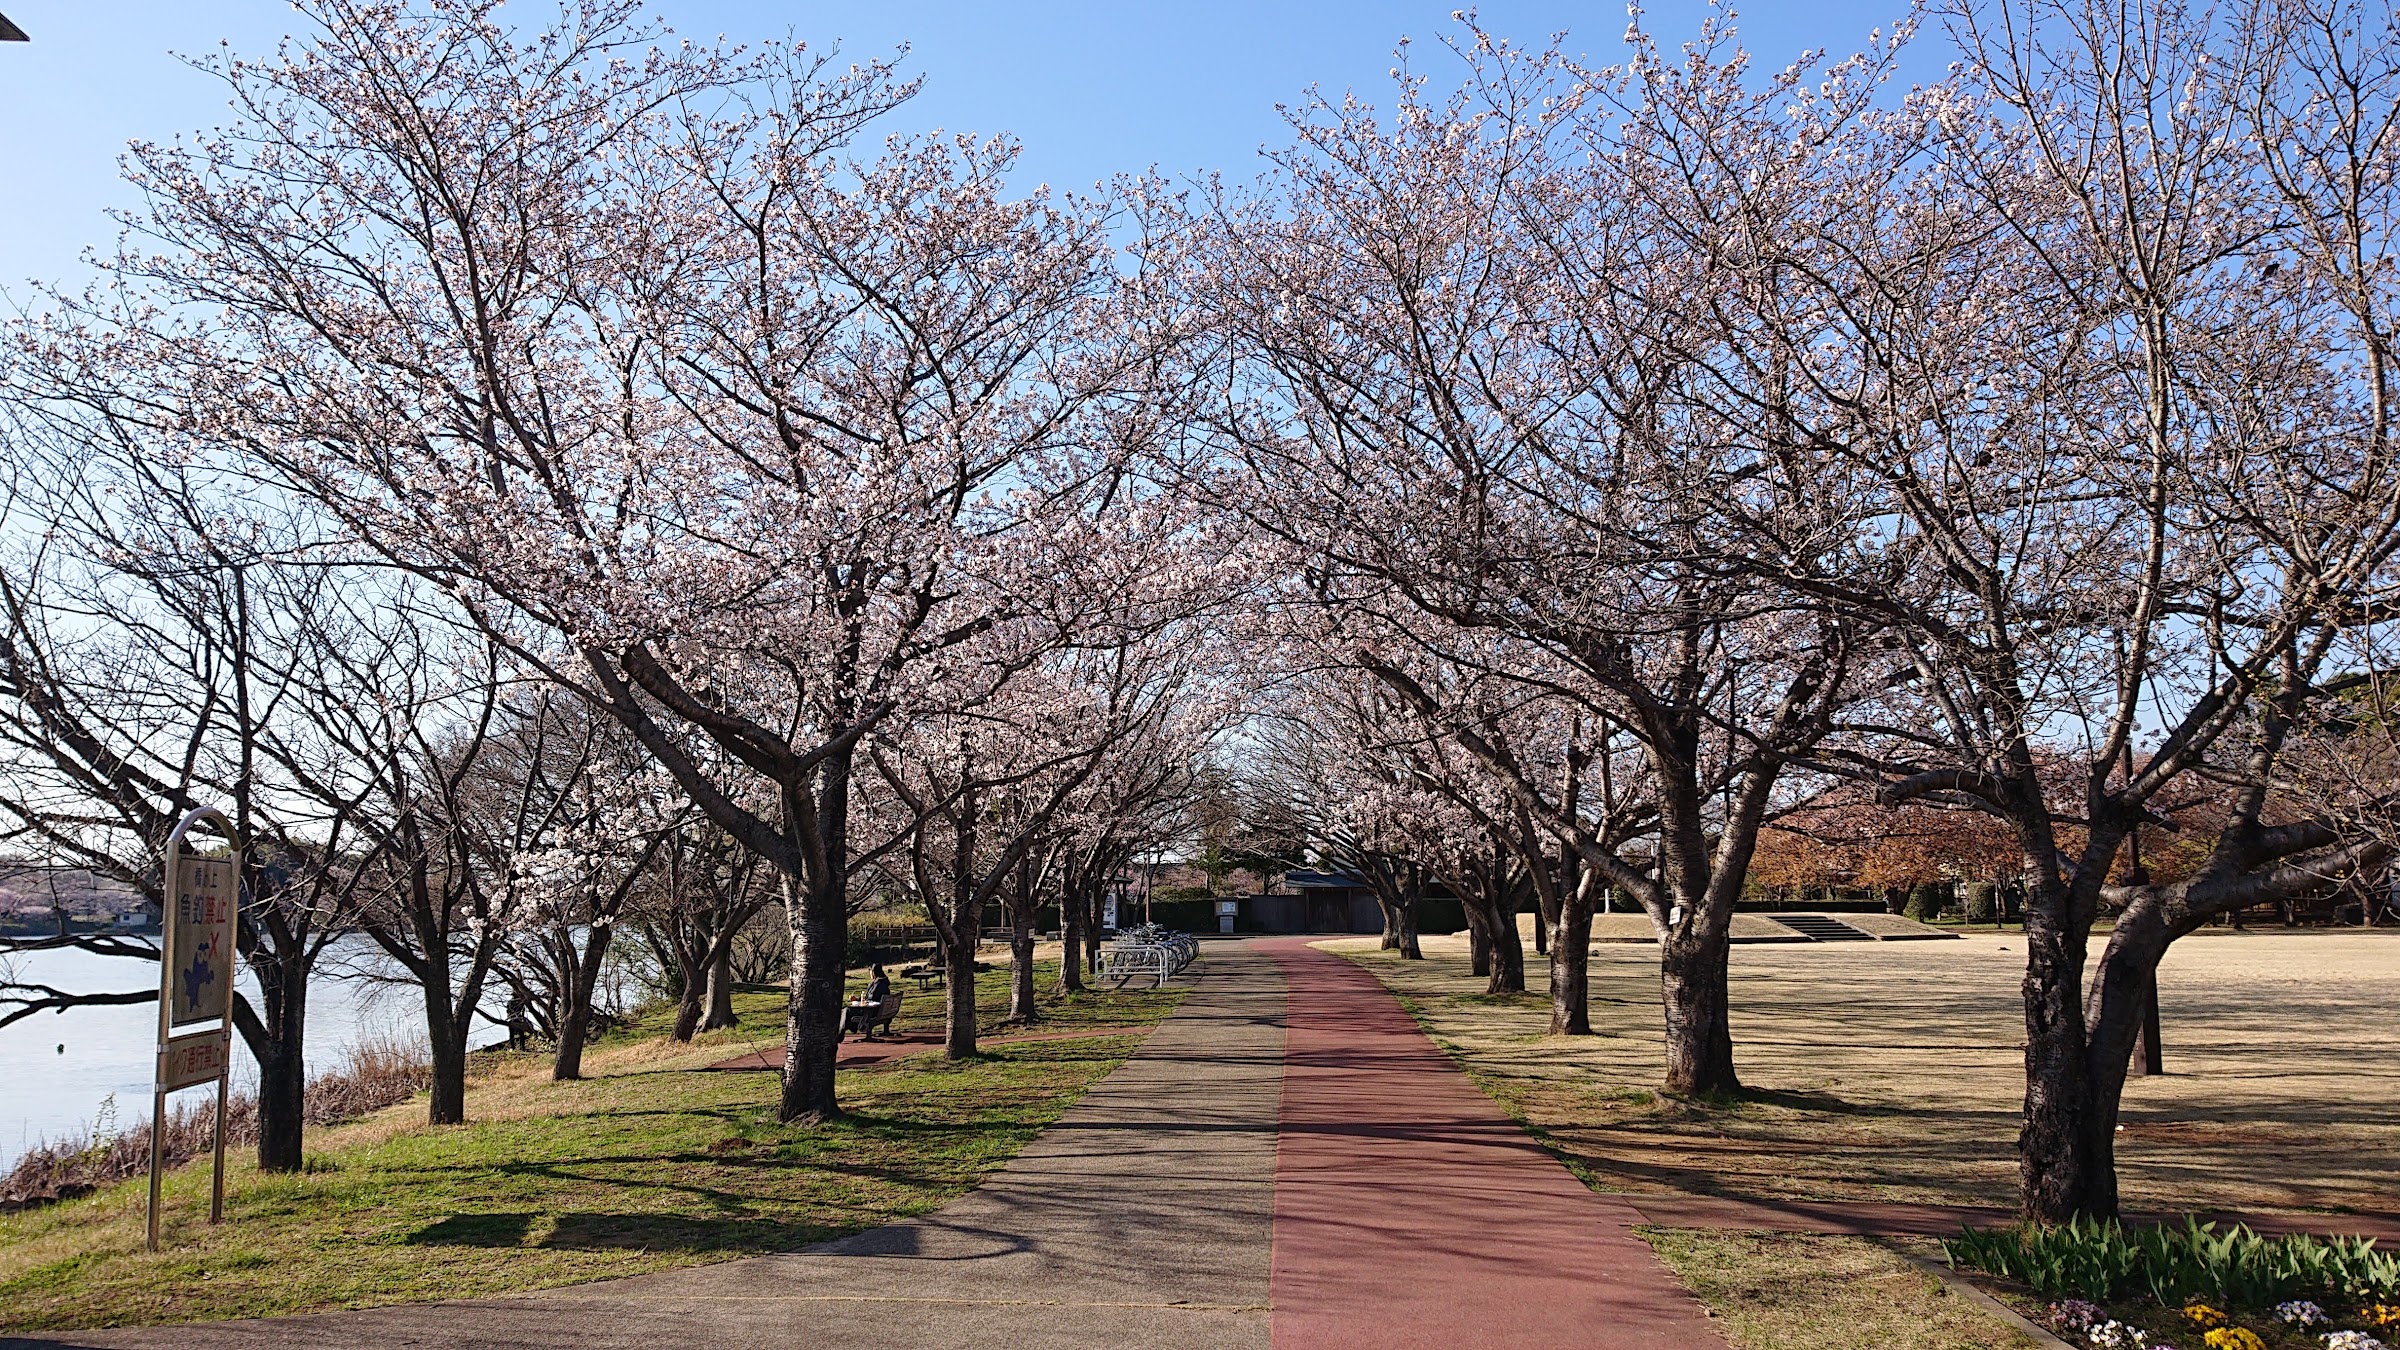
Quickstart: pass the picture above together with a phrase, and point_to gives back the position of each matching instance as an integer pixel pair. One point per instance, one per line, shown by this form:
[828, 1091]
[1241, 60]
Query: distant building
[1318, 902]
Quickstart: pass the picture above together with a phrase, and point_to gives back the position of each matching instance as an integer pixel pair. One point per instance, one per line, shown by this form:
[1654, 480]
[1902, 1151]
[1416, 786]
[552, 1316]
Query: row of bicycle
[1148, 950]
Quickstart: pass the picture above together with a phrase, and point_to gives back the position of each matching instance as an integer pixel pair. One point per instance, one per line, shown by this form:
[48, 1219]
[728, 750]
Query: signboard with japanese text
[200, 964]
[202, 899]
[202, 1057]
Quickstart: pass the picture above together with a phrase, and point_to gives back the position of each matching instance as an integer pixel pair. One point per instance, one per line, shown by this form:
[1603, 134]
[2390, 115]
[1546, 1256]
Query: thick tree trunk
[958, 958]
[720, 991]
[1507, 956]
[813, 1014]
[1407, 943]
[448, 1104]
[1479, 944]
[2059, 1176]
[1570, 965]
[1693, 986]
[447, 1042]
[282, 1066]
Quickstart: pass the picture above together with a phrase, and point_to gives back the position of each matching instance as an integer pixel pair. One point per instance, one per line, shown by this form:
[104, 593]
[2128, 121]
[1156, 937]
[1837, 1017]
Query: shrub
[2176, 1265]
[1981, 900]
[1924, 902]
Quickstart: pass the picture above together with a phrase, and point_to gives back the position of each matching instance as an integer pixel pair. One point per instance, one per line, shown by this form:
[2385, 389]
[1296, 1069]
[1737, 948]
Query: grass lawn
[1894, 1071]
[652, 1162]
[1791, 1291]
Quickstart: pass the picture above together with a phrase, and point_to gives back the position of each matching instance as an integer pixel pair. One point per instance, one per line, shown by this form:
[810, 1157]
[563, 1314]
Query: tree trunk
[1507, 954]
[448, 1104]
[688, 1004]
[2057, 1171]
[1020, 963]
[720, 990]
[1409, 950]
[1070, 923]
[813, 1015]
[575, 1025]
[958, 1035]
[2149, 1059]
[1571, 965]
[1479, 944]
[282, 1066]
[447, 1040]
[1693, 986]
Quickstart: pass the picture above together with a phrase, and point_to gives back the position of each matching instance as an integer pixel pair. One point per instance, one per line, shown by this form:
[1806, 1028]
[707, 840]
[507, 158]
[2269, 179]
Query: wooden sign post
[195, 989]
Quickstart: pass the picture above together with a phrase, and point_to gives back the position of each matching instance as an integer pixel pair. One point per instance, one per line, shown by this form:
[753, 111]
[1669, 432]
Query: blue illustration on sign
[199, 976]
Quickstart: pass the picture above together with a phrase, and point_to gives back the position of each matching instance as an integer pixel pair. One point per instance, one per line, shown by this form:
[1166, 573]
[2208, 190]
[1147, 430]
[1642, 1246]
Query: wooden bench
[861, 1017]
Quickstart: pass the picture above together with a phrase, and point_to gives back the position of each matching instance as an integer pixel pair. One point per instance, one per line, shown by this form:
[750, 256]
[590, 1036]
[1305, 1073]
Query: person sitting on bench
[868, 1010]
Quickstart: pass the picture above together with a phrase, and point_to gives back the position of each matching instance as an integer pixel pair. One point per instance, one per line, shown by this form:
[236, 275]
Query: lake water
[59, 1070]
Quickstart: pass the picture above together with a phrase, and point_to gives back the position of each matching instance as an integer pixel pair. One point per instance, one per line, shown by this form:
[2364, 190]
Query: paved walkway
[1409, 1211]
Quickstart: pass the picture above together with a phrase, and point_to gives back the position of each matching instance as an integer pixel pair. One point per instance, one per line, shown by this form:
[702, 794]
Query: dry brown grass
[1893, 1071]
[1791, 1291]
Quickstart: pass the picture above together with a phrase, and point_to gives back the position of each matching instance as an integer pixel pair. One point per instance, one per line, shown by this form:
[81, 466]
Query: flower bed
[2193, 1287]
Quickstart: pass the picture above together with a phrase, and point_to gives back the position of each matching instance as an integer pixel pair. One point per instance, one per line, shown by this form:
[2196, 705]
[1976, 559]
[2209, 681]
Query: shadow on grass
[591, 1232]
[475, 1230]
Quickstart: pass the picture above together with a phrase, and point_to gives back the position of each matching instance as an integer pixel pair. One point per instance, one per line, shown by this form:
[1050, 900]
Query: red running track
[1410, 1212]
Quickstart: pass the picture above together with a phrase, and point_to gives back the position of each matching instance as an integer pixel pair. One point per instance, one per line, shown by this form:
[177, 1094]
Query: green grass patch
[651, 1163]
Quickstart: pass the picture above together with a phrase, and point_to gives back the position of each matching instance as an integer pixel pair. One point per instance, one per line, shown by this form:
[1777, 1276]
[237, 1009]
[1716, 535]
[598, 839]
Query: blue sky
[1093, 89]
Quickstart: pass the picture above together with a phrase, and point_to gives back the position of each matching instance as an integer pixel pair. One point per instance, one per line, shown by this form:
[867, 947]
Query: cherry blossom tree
[710, 420]
[2098, 329]
[1466, 382]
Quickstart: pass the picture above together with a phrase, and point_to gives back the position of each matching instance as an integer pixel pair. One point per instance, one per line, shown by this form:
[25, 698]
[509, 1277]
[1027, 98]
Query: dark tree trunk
[958, 958]
[1479, 944]
[448, 1104]
[2059, 1176]
[1020, 963]
[1070, 922]
[1407, 938]
[1693, 986]
[276, 1039]
[575, 1020]
[688, 1003]
[813, 1018]
[1507, 955]
[2149, 1057]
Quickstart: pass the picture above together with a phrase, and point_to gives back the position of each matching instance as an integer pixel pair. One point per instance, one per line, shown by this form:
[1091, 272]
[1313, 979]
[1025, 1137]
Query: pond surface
[60, 1071]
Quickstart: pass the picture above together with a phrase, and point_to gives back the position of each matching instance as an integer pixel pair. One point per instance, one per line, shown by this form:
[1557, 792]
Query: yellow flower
[2232, 1338]
[2203, 1316]
[2381, 1316]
